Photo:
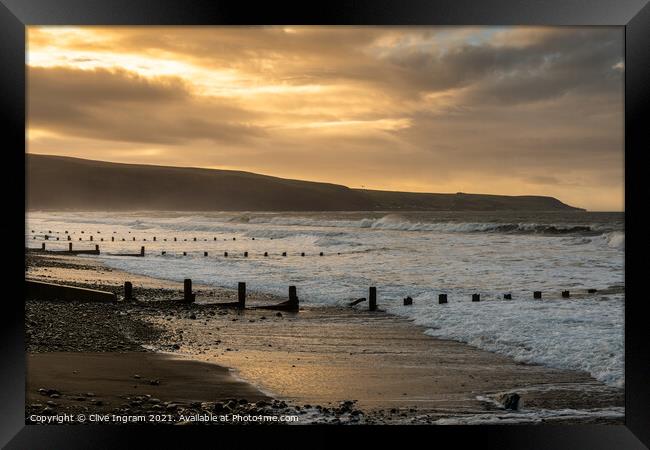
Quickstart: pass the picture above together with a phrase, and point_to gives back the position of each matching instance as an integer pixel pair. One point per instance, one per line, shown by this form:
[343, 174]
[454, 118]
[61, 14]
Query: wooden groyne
[38, 290]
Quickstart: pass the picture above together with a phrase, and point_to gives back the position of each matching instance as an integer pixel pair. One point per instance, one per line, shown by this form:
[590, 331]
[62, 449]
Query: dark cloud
[121, 106]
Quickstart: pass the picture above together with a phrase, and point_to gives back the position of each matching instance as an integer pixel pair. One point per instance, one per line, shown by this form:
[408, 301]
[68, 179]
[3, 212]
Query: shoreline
[326, 356]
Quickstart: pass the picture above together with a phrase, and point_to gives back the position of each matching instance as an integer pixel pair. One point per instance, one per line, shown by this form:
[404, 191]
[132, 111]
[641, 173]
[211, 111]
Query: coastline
[324, 358]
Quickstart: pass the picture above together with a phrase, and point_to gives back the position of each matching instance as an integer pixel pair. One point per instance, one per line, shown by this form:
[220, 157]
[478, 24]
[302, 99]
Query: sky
[497, 110]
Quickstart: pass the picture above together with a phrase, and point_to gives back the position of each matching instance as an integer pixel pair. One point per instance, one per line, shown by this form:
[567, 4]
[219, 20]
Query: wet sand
[327, 355]
[109, 376]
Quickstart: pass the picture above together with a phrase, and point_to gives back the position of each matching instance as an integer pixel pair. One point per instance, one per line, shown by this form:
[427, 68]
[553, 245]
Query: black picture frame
[633, 15]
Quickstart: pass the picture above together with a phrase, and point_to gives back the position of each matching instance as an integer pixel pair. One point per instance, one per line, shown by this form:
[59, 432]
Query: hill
[63, 183]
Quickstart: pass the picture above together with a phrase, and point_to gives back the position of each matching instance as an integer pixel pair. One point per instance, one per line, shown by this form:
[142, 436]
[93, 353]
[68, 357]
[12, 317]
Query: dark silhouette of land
[63, 183]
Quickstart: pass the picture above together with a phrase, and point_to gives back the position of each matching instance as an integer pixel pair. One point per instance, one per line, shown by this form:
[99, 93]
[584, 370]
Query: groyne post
[442, 298]
[537, 294]
[566, 294]
[241, 294]
[476, 297]
[142, 251]
[372, 298]
[188, 297]
[293, 297]
[128, 290]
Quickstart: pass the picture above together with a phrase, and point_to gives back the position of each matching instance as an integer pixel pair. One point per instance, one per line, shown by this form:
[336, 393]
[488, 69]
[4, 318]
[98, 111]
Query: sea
[403, 254]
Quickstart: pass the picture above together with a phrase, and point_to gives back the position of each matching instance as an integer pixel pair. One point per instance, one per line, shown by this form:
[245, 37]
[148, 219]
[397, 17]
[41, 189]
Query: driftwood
[356, 302]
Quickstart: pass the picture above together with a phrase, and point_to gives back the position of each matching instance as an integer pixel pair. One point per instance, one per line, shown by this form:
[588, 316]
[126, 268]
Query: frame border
[633, 15]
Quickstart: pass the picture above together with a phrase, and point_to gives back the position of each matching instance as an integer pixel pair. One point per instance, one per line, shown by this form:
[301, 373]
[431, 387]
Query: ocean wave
[615, 239]
[400, 223]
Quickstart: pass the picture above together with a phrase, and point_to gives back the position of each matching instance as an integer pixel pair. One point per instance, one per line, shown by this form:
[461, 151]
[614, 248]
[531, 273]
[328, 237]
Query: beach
[322, 364]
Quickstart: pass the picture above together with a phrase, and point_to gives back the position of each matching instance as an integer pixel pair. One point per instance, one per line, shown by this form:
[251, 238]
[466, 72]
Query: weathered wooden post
[112, 238]
[245, 254]
[537, 294]
[293, 298]
[234, 239]
[284, 253]
[43, 246]
[128, 290]
[194, 239]
[46, 237]
[91, 238]
[507, 296]
[215, 238]
[241, 294]
[69, 237]
[97, 248]
[184, 253]
[266, 253]
[408, 301]
[205, 253]
[188, 297]
[154, 238]
[142, 251]
[476, 297]
[133, 238]
[320, 254]
[163, 253]
[70, 247]
[442, 298]
[302, 254]
[372, 298]
[79, 238]
[101, 239]
[174, 239]
[57, 238]
[225, 254]
[566, 294]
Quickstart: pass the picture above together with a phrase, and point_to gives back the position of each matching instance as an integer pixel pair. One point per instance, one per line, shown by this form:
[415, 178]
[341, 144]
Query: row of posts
[225, 254]
[190, 297]
[47, 237]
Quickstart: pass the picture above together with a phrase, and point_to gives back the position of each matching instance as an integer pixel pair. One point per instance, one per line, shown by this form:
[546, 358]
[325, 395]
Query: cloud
[121, 106]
